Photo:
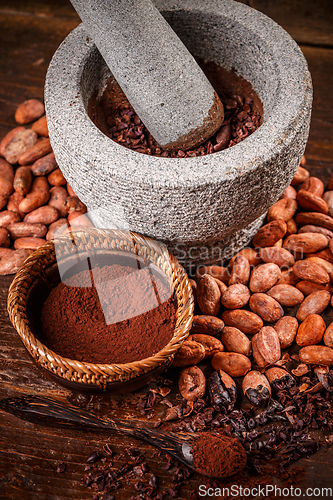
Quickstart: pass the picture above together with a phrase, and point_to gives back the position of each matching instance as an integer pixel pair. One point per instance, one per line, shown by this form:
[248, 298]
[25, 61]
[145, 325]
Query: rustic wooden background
[30, 32]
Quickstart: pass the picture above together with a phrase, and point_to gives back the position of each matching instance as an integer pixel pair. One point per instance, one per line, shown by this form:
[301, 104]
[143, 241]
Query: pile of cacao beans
[36, 202]
[242, 322]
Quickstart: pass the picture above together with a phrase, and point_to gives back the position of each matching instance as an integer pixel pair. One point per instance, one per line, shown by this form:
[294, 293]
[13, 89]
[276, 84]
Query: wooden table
[30, 32]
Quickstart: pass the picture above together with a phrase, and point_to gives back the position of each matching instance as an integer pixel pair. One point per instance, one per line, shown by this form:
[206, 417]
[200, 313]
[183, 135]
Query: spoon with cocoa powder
[209, 454]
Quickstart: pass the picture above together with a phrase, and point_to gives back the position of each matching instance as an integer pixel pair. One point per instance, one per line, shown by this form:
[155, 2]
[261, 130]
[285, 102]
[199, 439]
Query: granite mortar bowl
[59, 259]
[202, 207]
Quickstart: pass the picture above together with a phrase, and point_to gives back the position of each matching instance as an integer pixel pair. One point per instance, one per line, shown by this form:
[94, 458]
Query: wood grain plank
[27, 46]
[307, 22]
[40, 8]
[30, 32]
[319, 149]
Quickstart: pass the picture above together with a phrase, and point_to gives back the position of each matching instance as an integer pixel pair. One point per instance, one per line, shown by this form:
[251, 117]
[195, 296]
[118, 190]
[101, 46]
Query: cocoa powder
[111, 314]
[218, 456]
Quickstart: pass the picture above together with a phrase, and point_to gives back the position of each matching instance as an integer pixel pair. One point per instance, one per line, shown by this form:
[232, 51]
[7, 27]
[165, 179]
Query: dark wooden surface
[29, 34]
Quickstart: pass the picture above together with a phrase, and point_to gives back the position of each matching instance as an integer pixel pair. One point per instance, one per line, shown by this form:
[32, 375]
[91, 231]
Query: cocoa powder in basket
[112, 314]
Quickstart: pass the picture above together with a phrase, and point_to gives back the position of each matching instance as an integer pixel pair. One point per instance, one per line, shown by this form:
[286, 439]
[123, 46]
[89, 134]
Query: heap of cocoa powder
[96, 316]
[218, 456]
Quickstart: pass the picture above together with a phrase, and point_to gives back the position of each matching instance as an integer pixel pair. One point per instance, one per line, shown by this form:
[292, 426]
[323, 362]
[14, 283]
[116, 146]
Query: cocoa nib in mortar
[243, 114]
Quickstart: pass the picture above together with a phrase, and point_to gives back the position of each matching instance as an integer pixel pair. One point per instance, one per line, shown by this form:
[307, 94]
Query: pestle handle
[157, 73]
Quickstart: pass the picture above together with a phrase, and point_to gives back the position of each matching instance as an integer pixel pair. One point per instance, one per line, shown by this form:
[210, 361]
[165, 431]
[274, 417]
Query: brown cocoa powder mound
[218, 456]
[97, 316]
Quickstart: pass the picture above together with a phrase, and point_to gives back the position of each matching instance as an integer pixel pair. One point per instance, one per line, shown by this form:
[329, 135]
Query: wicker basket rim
[18, 291]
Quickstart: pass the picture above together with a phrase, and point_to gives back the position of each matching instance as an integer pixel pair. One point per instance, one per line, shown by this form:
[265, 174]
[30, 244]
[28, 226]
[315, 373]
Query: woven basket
[88, 375]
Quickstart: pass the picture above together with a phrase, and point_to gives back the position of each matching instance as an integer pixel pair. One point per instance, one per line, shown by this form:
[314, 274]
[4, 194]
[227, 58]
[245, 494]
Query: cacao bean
[314, 303]
[192, 383]
[209, 325]
[279, 256]
[211, 344]
[315, 219]
[291, 227]
[313, 185]
[43, 215]
[22, 180]
[8, 137]
[263, 277]
[11, 263]
[286, 295]
[289, 192]
[7, 217]
[328, 197]
[4, 237]
[240, 272]
[236, 296]
[236, 341]
[311, 330]
[307, 287]
[40, 126]
[208, 296]
[268, 344]
[56, 228]
[245, 321]
[41, 148]
[310, 271]
[56, 178]
[301, 176]
[44, 165]
[219, 272]
[25, 229]
[282, 210]
[286, 329]
[258, 358]
[309, 228]
[270, 234]
[256, 388]
[266, 307]
[58, 196]
[222, 286]
[328, 336]
[190, 353]
[250, 254]
[222, 389]
[20, 143]
[279, 378]
[315, 354]
[233, 363]
[312, 202]
[30, 243]
[28, 111]
[306, 242]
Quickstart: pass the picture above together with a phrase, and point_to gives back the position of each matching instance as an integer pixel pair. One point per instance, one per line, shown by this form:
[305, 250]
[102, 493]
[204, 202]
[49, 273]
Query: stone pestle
[159, 76]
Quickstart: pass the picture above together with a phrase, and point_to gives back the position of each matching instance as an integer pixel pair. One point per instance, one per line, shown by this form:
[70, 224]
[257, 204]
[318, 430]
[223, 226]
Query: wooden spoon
[35, 408]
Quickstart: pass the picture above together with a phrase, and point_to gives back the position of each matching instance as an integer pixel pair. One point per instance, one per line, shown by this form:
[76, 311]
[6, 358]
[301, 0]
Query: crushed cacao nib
[92, 457]
[282, 433]
[243, 114]
[106, 478]
[61, 467]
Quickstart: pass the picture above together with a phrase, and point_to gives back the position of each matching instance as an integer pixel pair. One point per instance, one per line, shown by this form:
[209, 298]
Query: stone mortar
[203, 207]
